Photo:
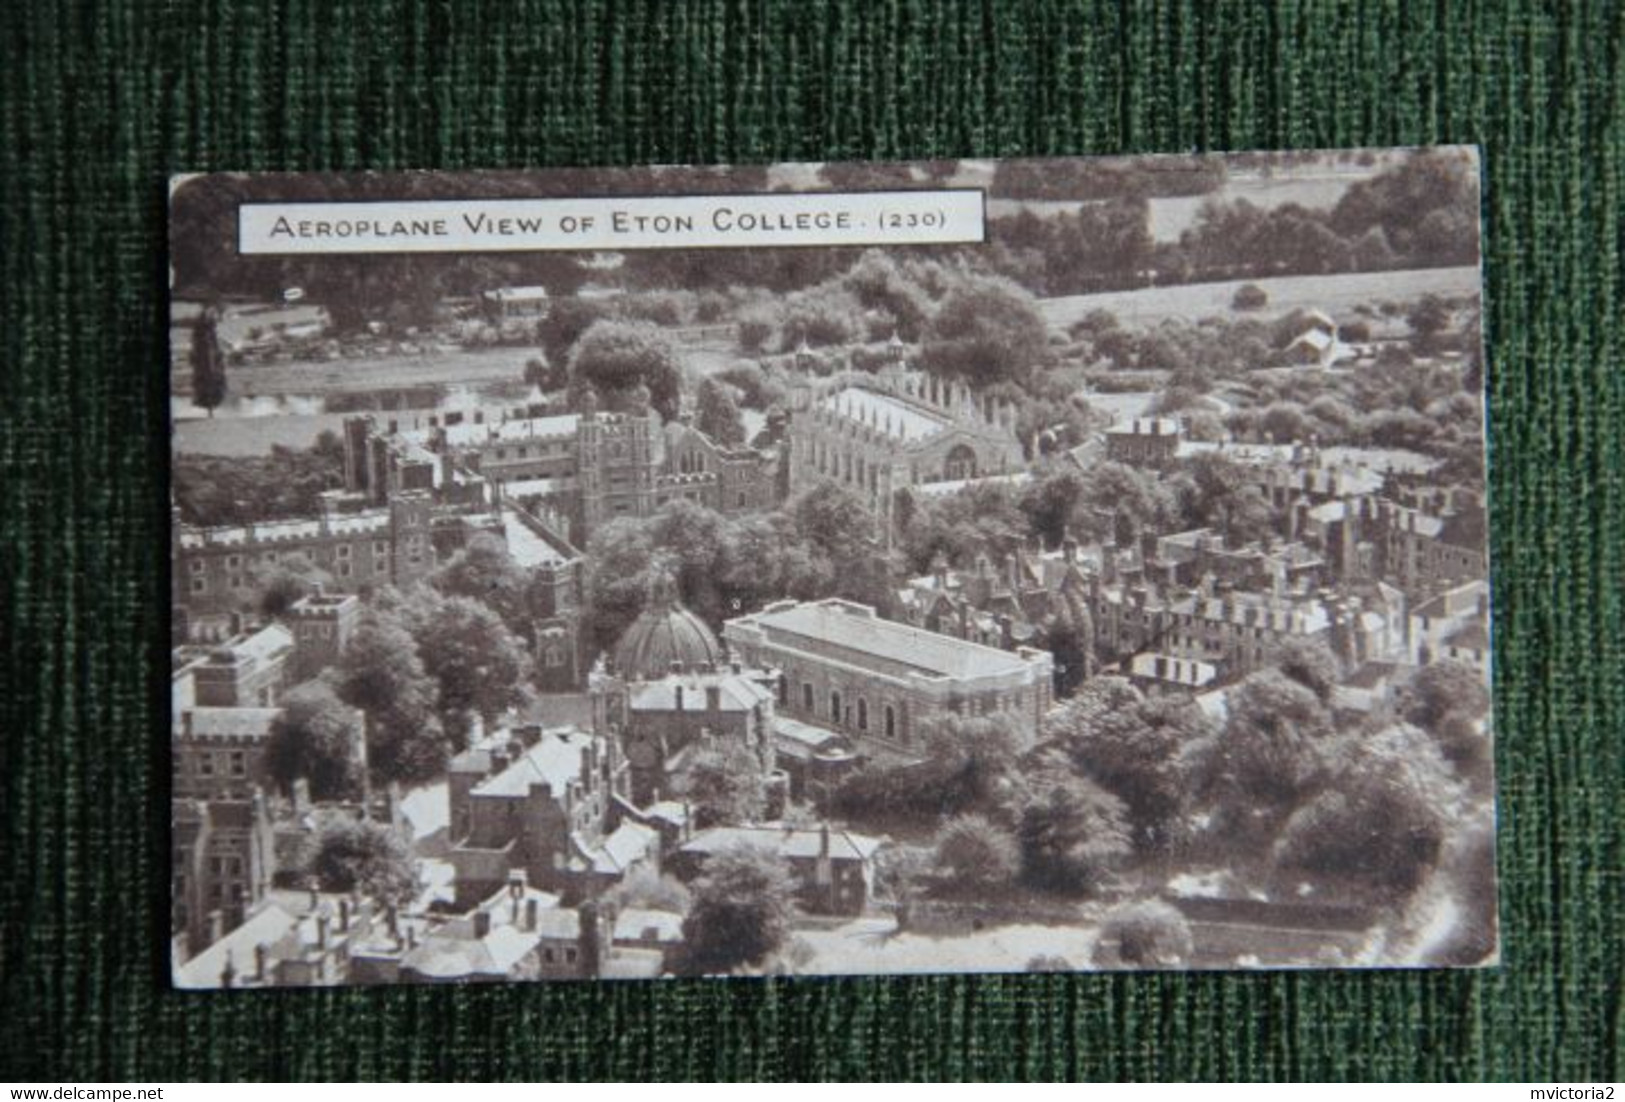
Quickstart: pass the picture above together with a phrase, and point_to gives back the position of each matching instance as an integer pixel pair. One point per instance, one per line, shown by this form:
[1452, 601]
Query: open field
[244, 436]
[1338, 295]
[380, 372]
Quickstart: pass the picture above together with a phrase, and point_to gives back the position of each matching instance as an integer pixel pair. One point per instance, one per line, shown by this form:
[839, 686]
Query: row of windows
[838, 716]
[230, 763]
[380, 550]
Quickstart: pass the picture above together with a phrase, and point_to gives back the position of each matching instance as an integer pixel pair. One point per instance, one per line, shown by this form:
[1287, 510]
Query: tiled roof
[630, 843]
[857, 628]
[736, 693]
[555, 760]
[784, 841]
[528, 546]
[889, 415]
[268, 924]
[471, 434]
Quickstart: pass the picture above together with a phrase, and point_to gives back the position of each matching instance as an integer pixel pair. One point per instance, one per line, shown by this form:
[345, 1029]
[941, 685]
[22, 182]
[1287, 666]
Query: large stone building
[323, 625]
[881, 682]
[223, 858]
[668, 692]
[360, 547]
[586, 468]
[548, 804]
[357, 545]
[878, 434]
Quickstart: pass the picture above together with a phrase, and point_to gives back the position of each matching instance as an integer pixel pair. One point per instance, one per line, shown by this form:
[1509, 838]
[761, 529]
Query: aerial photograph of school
[1111, 594]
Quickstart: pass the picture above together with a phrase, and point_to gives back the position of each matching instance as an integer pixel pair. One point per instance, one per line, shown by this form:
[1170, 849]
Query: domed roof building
[666, 636]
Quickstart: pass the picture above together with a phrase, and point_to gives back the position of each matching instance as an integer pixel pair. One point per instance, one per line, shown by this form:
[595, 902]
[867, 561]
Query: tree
[1271, 751]
[820, 316]
[718, 415]
[1122, 503]
[1381, 827]
[1309, 662]
[1052, 503]
[901, 874]
[479, 667]
[278, 585]
[1147, 933]
[987, 330]
[1071, 831]
[1249, 296]
[837, 526]
[617, 358]
[741, 912]
[315, 737]
[983, 518]
[383, 676]
[208, 362]
[567, 319]
[725, 785]
[355, 855]
[485, 571]
[1442, 689]
[545, 375]
[1428, 318]
[1069, 636]
[1138, 753]
[1449, 701]
[976, 854]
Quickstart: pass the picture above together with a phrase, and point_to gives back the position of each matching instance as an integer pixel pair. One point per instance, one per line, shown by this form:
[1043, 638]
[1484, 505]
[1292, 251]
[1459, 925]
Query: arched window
[807, 697]
[961, 464]
[835, 706]
[863, 714]
[891, 722]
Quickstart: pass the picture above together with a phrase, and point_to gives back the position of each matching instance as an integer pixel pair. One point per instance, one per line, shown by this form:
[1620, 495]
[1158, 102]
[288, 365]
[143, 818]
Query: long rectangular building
[845, 668]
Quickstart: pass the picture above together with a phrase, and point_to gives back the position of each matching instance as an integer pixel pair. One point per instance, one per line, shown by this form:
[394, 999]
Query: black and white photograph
[1051, 565]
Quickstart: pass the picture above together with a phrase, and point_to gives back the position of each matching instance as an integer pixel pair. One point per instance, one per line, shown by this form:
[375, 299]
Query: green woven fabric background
[100, 102]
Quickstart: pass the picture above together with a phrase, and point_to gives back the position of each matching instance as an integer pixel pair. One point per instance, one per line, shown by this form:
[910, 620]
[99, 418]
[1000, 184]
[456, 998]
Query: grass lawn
[1336, 294]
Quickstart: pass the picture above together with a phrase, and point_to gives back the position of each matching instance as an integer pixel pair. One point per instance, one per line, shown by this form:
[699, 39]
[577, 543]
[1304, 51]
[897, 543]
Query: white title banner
[935, 217]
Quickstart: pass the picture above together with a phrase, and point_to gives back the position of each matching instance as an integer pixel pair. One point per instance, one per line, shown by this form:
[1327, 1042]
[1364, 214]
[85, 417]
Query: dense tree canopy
[724, 784]
[315, 738]
[987, 330]
[383, 676]
[364, 857]
[623, 360]
[740, 913]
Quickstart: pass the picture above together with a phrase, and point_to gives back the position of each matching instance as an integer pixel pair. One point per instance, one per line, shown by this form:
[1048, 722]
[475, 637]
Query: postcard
[809, 569]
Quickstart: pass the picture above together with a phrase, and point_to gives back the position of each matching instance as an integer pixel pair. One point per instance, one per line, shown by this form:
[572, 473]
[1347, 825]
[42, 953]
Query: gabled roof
[785, 841]
[736, 692]
[555, 760]
[856, 627]
[889, 415]
[630, 843]
[268, 924]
